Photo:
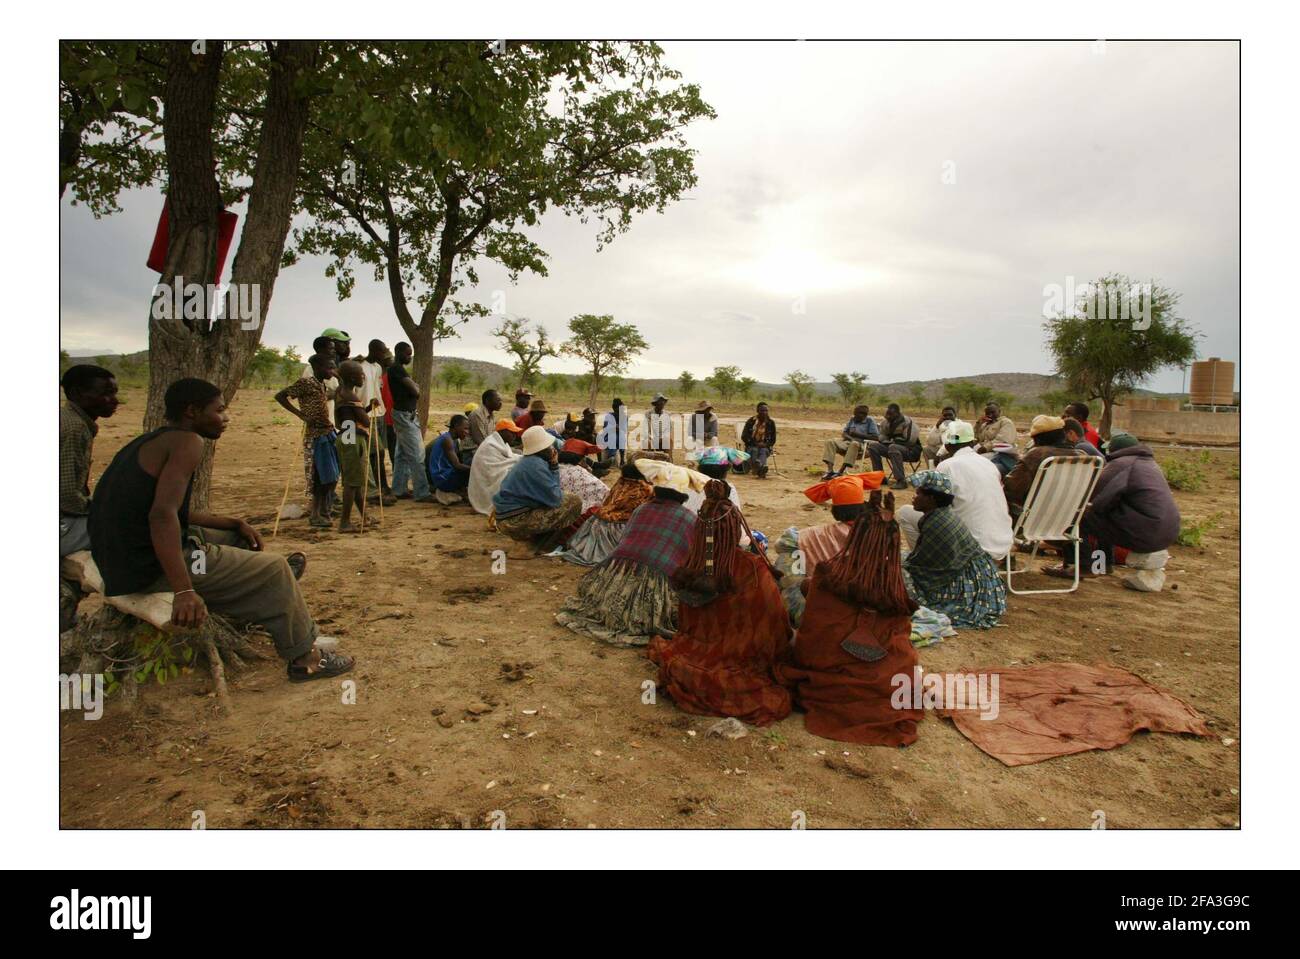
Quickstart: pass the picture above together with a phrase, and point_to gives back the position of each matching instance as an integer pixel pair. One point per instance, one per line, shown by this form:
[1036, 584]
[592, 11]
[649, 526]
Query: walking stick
[365, 487]
[375, 430]
[289, 479]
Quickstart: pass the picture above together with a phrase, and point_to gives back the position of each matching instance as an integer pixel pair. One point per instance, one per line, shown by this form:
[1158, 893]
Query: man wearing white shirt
[377, 360]
[977, 485]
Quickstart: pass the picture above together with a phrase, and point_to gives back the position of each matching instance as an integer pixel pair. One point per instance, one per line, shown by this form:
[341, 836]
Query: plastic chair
[1054, 509]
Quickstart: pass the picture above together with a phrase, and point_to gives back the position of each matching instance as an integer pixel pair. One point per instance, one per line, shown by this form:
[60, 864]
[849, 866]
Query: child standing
[312, 409]
[353, 442]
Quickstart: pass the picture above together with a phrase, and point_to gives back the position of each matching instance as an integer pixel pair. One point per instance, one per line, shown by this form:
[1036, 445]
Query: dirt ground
[474, 708]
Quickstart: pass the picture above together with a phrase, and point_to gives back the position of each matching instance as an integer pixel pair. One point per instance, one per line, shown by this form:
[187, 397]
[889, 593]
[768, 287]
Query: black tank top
[119, 520]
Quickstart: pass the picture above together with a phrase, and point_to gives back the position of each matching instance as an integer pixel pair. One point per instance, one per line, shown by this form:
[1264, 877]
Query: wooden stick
[289, 479]
[365, 486]
[375, 428]
[218, 670]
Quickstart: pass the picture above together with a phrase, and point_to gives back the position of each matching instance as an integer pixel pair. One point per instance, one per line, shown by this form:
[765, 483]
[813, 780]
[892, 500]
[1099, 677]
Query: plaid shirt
[945, 544]
[76, 440]
[657, 536]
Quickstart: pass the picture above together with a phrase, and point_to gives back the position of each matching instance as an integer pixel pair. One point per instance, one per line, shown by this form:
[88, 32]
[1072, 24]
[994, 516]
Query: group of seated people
[674, 566]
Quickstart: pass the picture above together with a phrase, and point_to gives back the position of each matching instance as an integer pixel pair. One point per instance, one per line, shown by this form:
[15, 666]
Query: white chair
[1054, 509]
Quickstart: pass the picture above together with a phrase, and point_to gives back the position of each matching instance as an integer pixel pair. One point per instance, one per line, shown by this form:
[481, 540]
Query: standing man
[658, 428]
[91, 393]
[377, 361]
[613, 432]
[409, 464]
[145, 539]
[857, 433]
[758, 437]
[482, 422]
[900, 444]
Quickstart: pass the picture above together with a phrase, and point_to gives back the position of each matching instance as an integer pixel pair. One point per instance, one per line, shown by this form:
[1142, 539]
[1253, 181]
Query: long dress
[845, 698]
[950, 572]
[628, 599]
[720, 661]
[599, 534]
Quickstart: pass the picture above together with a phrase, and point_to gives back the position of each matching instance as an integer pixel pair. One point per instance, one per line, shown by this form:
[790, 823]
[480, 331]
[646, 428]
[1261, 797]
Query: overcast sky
[821, 188]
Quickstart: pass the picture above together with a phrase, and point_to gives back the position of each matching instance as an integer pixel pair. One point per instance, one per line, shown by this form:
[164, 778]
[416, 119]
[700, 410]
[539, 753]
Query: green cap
[340, 335]
[1119, 440]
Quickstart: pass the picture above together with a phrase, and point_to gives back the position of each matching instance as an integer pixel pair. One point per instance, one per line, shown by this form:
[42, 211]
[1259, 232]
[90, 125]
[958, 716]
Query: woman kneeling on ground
[731, 625]
[628, 599]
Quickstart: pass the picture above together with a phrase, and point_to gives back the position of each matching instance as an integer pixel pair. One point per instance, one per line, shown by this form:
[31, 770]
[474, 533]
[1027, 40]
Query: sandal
[298, 563]
[330, 664]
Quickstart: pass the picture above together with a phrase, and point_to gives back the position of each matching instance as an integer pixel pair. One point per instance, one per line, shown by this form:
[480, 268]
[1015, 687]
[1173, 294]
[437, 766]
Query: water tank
[1212, 382]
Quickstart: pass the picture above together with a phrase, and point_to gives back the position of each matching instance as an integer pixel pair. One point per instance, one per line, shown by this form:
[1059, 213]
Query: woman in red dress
[855, 638]
[732, 624]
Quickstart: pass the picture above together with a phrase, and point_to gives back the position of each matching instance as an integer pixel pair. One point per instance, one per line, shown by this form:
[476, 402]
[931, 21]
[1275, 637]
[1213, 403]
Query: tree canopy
[605, 346]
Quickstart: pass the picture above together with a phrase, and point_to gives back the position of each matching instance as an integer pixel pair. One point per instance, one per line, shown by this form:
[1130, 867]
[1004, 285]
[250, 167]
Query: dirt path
[474, 707]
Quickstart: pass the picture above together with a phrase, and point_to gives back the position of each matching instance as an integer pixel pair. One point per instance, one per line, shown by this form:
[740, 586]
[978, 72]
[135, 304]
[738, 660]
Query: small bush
[1183, 475]
[1193, 532]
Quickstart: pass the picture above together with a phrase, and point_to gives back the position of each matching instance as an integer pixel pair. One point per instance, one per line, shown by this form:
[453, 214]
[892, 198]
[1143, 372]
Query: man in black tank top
[145, 539]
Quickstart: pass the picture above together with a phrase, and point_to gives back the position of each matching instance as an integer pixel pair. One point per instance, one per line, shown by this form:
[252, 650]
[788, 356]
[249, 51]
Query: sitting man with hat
[530, 505]
[535, 416]
[523, 397]
[978, 498]
[1047, 433]
[702, 427]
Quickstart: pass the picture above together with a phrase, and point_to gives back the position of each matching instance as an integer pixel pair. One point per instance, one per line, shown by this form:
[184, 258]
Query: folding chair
[1054, 509]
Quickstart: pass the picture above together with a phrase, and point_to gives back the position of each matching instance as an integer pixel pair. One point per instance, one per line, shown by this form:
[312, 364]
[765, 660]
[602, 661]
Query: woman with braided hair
[855, 637]
[628, 599]
[731, 624]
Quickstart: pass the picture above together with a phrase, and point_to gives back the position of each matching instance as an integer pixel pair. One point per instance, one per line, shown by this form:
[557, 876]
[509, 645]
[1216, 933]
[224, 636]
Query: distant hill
[1025, 387]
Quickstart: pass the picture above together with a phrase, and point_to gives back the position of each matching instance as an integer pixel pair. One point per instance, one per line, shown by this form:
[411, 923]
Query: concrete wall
[1179, 426]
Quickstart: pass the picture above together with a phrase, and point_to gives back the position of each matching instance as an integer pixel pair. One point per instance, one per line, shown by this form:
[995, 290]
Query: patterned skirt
[593, 542]
[974, 598]
[622, 604]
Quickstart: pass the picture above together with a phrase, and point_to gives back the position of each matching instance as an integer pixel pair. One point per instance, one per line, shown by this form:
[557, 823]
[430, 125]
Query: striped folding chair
[1054, 509]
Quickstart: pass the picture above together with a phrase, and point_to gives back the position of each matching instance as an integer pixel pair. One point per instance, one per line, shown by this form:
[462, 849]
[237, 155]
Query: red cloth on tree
[720, 661]
[162, 236]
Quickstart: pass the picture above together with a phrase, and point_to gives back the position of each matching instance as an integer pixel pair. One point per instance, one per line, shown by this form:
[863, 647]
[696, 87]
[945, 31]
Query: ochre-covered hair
[869, 570]
[714, 541]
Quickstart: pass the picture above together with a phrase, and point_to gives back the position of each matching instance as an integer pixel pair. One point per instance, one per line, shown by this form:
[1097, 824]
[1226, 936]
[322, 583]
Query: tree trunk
[220, 351]
[1107, 404]
[422, 368]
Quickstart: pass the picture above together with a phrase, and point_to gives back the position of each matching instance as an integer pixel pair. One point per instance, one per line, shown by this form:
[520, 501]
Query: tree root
[110, 641]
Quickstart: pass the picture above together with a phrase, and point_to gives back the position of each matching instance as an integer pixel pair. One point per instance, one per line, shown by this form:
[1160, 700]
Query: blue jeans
[408, 463]
[758, 455]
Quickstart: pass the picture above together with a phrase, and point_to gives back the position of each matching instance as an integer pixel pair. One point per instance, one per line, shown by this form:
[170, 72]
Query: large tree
[1125, 333]
[436, 156]
[606, 347]
[232, 119]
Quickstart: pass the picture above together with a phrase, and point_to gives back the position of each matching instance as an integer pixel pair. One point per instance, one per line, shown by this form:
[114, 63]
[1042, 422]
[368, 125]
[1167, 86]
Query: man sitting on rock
[145, 539]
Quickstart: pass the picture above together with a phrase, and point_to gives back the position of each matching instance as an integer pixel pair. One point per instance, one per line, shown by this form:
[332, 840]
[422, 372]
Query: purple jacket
[1133, 498]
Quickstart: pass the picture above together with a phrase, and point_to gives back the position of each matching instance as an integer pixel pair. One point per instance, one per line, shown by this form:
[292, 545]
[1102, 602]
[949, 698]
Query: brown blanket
[1056, 709]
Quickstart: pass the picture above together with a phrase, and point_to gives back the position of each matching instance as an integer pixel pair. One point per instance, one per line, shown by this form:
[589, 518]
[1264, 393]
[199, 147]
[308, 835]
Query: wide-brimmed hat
[658, 397]
[1045, 424]
[537, 406]
[703, 406]
[537, 439]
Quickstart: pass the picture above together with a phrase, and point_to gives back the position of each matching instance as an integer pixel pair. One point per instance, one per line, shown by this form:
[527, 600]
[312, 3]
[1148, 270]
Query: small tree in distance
[803, 386]
[528, 348]
[686, 380]
[605, 346]
[1108, 356]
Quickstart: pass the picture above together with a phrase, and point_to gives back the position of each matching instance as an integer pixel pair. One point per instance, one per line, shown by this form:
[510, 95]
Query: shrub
[1183, 475]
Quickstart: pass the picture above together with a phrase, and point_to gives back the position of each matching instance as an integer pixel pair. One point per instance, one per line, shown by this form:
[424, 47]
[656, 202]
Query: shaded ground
[472, 704]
